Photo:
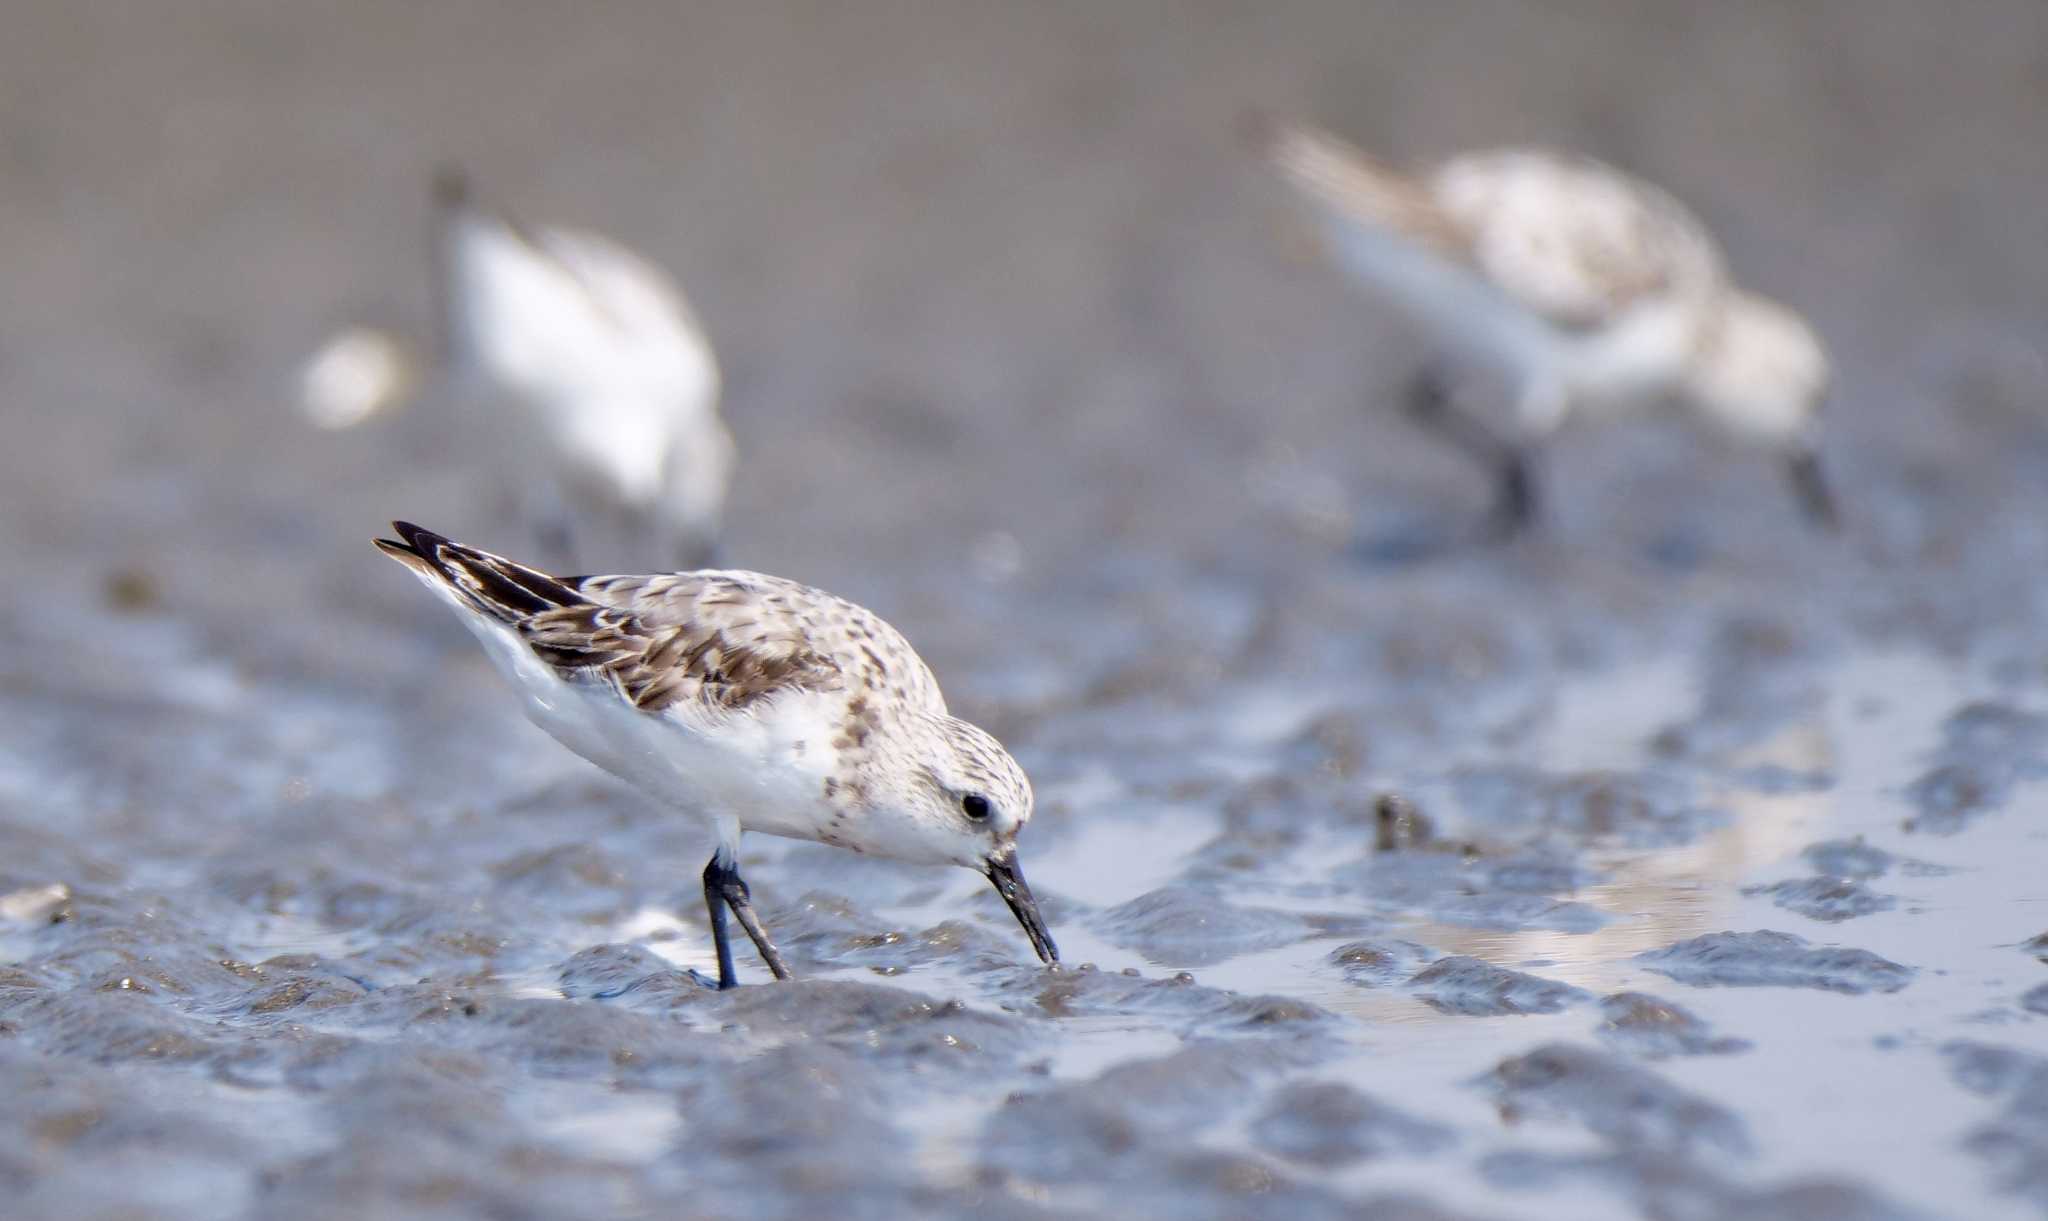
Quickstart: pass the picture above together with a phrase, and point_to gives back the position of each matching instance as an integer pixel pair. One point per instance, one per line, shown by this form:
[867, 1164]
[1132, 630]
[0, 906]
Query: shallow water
[1721, 895]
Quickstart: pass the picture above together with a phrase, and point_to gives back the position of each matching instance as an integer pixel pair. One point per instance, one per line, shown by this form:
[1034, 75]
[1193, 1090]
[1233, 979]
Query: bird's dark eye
[975, 806]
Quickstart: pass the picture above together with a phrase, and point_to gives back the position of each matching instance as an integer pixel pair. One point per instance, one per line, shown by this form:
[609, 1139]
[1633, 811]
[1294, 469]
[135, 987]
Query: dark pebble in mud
[1327, 1124]
[1986, 749]
[1628, 1106]
[132, 590]
[1772, 959]
[1655, 1028]
[1831, 900]
[1474, 987]
[1379, 963]
[2015, 1142]
[1848, 858]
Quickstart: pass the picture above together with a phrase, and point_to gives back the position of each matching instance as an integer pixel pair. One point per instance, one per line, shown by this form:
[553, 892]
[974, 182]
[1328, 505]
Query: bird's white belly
[1638, 359]
[1462, 311]
[767, 771]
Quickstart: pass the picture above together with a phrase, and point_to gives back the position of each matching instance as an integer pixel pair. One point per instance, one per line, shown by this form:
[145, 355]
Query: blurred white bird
[597, 374]
[1594, 294]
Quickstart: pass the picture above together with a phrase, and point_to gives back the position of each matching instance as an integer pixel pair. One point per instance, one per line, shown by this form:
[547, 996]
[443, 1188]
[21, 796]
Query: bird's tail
[496, 586]
[1343, 179]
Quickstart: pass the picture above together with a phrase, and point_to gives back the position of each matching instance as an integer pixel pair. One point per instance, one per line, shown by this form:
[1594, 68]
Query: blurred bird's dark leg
[1810, 485]
[1515, 502]
[723, 889]
[1514, 506]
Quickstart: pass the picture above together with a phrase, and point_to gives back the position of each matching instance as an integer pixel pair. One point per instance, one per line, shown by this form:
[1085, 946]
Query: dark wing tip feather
[423, 542]
[495, 585]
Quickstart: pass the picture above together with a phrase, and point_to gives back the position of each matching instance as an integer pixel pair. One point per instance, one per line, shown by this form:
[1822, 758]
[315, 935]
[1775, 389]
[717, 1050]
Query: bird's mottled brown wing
[1572, 239]
[723, 641]
[696, 638]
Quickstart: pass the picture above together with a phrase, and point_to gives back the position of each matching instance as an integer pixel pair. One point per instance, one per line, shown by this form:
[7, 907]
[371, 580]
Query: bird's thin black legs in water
[1514, 504]
[725, 888]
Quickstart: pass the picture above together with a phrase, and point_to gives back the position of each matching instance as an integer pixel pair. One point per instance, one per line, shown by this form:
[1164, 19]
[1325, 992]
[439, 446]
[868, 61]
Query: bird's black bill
[1810, 484]
[1009, 883]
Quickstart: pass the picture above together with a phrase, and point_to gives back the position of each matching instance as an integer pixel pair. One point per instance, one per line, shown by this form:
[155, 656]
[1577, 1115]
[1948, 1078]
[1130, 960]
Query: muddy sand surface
[1721, 894]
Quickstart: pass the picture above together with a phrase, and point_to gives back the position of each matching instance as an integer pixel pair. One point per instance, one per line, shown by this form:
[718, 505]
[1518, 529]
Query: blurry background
[1018, 352]
[1009, 266]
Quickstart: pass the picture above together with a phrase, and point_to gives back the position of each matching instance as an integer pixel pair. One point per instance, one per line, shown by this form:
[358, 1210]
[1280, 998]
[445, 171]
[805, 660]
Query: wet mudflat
[1719, 889]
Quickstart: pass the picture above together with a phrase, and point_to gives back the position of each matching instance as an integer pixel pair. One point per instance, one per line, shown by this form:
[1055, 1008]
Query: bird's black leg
[1810, 485]
[1514, 505]
[725, 888]
[714, 902]
[1515, 502]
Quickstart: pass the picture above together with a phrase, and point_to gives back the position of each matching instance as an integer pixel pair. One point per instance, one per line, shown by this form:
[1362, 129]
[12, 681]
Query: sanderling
[613, 386]
[753, 702]
[1593, 293]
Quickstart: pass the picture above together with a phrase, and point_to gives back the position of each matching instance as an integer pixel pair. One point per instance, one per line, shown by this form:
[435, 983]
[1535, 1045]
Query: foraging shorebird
[1592, 293]
[753, 703]
[608, 386]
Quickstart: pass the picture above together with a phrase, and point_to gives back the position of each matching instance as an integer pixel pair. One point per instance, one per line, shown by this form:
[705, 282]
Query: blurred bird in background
[591, 390]
[608, 388]
[1593, 294]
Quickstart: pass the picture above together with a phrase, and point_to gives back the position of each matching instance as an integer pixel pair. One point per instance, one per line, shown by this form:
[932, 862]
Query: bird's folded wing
[1571, 239]
[706, 640]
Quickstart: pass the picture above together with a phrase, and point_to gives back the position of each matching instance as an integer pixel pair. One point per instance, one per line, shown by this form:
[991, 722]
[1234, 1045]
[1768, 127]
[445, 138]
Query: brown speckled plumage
[753, 702]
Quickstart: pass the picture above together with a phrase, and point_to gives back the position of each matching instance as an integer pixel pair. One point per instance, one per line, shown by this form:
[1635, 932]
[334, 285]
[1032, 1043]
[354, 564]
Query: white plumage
[597, 375]
[1590, 292]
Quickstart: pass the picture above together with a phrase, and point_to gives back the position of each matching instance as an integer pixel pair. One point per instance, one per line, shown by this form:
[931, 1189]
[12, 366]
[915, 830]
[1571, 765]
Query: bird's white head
[944, 792]
[1761, 379]
[1762, 375]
